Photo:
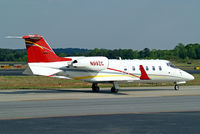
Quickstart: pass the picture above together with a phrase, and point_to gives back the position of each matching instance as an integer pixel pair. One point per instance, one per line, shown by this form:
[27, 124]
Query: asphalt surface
[49, 108]
[11, 72]
[152, 123]
[139, 110]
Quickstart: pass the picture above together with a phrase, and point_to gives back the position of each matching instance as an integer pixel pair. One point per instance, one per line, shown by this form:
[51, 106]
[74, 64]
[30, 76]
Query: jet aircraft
[99, 69]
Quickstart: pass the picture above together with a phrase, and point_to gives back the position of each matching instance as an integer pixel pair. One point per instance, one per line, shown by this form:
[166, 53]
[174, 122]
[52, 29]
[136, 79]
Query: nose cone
[188, 76]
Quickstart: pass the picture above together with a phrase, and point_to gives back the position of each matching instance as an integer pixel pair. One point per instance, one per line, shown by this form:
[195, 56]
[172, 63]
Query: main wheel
[95, 89]
[114, 90]
[176, 87]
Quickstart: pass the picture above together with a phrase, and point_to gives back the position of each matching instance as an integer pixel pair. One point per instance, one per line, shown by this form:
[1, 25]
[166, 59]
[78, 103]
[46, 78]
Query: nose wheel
[176, 87]
[95, 88]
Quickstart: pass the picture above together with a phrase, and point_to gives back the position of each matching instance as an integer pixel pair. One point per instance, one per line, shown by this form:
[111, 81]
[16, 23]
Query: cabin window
[147, 68]
[133, 68]
[153, 68]
[160, 68]
[125, 69]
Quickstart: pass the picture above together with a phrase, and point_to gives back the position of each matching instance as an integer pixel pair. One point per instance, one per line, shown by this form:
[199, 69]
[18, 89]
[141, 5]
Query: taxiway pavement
[16, 104]
[140, 110]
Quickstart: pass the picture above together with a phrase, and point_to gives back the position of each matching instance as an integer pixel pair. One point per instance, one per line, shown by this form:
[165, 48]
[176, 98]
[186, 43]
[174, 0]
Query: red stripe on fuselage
[50, 75]
[123, 72]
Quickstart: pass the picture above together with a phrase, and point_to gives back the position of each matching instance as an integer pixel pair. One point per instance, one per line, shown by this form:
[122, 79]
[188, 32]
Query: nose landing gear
[176, 87]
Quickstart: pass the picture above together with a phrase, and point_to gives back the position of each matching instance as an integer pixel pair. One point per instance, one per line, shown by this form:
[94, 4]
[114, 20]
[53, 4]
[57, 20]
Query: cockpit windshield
[171, 65]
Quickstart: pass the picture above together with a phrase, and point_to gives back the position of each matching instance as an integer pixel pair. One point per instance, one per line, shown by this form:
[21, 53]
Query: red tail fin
[39, 51]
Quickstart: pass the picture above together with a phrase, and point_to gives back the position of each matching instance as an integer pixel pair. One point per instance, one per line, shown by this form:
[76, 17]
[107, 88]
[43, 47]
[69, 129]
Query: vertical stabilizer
[39, 51]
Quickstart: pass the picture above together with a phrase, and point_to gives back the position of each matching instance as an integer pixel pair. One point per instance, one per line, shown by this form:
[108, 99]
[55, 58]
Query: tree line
[181, 51]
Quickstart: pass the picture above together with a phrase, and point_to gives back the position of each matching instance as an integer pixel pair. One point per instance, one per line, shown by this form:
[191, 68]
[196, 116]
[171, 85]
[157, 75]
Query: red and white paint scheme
[43, 61]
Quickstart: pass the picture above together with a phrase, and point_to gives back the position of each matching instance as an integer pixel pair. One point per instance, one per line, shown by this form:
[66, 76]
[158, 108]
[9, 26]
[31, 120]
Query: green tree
[181, 51]
[146, 52]
[191, 53]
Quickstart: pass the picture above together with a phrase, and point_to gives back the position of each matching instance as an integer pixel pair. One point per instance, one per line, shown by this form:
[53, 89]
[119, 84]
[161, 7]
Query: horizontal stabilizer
[42, 70]
[13, 37]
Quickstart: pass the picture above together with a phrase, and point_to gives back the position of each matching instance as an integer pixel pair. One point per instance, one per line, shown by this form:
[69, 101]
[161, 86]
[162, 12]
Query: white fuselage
[115, 71]
[129, 71]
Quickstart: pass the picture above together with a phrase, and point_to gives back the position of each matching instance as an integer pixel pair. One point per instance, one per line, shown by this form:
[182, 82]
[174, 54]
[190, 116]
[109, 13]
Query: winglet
[144, 75]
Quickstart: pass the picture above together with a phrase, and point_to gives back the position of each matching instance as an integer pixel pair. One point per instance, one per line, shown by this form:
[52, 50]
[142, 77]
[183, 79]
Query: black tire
[176, 87]
[95, 89]
[114, 90]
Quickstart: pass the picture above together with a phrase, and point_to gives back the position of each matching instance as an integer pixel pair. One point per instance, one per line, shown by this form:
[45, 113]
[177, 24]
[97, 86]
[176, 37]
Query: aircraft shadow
[147, 89]
[41, 91]
[31, 91]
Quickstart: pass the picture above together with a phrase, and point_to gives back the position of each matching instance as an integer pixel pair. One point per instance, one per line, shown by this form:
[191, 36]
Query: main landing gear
[95, 87]
[114, 89]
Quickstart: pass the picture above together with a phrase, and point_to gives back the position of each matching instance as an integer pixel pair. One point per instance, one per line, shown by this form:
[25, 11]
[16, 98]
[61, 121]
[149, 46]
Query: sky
[109, 24]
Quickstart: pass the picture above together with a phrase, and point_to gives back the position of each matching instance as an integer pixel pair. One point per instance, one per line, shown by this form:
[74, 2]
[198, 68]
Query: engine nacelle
[91, 63]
